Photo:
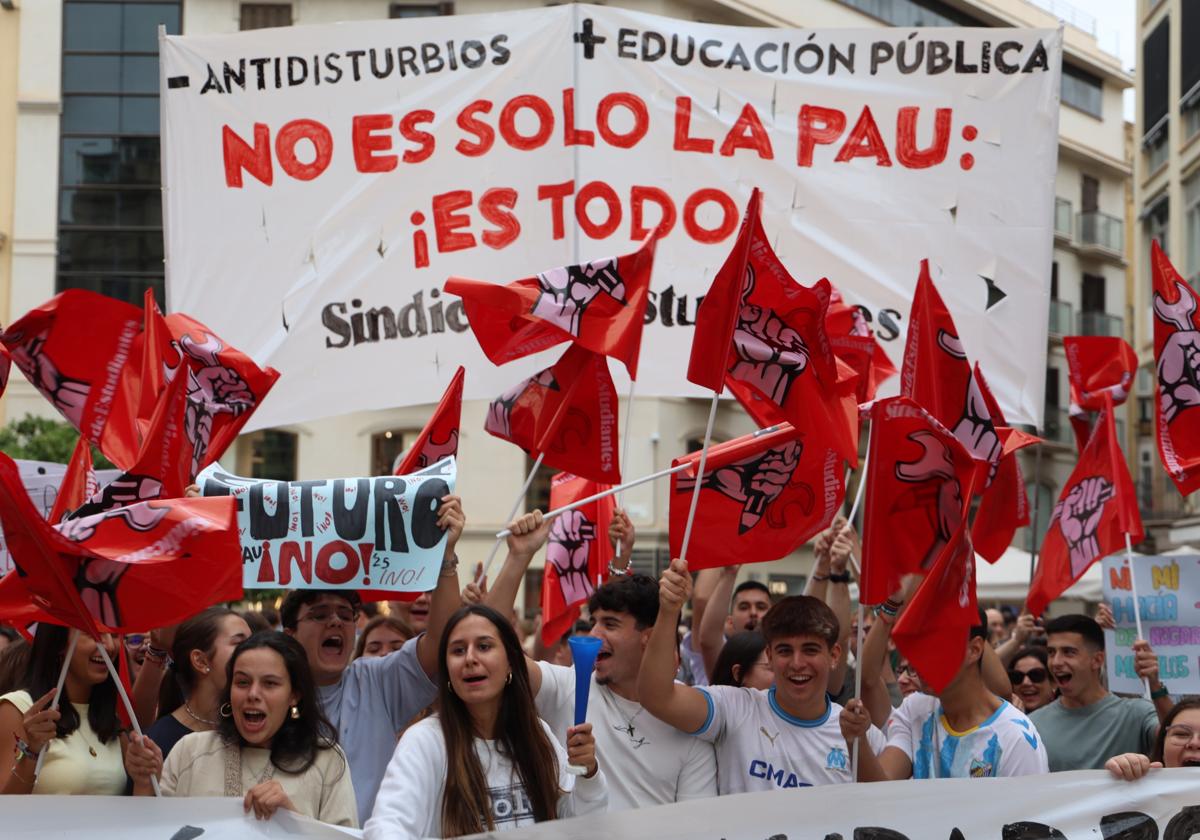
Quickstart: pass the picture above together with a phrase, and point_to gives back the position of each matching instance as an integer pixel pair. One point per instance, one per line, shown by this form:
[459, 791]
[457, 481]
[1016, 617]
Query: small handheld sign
[583, 651]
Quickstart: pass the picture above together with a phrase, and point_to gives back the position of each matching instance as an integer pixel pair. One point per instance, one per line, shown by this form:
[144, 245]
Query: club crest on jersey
[836, 760]
[980, 769]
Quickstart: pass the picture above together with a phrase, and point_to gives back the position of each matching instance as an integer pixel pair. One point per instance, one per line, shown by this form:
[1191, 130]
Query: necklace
[85, 740]
[197, 717]
[629, 729]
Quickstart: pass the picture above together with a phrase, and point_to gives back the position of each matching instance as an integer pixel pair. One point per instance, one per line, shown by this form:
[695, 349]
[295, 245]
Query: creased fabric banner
[377, 533]
[149, 818]
[1060, 806]
[328, 179]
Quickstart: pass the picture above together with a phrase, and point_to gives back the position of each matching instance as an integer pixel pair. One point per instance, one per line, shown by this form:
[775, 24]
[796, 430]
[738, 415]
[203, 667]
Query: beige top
[196, 767]
[70, 767]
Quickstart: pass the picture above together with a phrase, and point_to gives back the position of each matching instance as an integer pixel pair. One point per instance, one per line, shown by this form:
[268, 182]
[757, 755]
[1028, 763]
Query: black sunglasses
[1037, 676]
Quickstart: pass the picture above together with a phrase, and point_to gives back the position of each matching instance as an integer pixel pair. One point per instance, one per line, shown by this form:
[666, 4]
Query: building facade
[1166, 189]
[86, 186]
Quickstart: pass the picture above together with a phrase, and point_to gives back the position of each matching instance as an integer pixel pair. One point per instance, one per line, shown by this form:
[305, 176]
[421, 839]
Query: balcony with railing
[1061, 320]
[1063, 219]
[1101, 323]
[1101, 233]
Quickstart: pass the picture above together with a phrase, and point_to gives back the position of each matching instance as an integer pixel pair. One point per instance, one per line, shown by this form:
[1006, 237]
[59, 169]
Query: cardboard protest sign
[375, 533]
[1169, 602]
[330, 178]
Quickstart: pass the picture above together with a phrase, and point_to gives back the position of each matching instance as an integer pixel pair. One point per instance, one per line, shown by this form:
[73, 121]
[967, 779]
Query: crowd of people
[435, 718]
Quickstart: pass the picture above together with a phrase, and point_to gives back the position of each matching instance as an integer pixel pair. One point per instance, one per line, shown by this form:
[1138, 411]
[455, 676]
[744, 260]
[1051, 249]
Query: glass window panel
[91, 114]
[139, 114]
[109, 208]
[140, 29]
[139, 74]
[129, 289]
[92, 26]
[91, 73]
[110, 250]
[110, 160]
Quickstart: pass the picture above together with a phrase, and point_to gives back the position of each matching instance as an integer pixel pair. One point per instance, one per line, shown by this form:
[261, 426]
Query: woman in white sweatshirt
[485, 761]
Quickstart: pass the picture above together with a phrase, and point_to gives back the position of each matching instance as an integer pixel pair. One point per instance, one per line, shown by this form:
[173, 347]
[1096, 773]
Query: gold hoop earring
[295, 713]
[225, 711]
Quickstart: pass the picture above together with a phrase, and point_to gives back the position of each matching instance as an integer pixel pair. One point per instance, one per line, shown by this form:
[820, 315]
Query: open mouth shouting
[334, 647]
[1063, 678]
[254, 722]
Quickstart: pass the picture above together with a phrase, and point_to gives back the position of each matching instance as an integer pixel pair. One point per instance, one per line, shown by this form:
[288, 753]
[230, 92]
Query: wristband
[154, 654]
[450, 566]
[1159, 693]
[615, 572]
[23, 750]
[839, 577]
[821, 577]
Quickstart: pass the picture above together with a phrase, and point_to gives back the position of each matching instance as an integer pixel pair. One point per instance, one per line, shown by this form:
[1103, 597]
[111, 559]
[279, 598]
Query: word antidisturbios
[622, 120]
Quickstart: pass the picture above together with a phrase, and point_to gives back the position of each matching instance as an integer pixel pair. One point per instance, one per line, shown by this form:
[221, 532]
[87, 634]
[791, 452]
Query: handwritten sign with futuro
[347, 533]
[1169, 603]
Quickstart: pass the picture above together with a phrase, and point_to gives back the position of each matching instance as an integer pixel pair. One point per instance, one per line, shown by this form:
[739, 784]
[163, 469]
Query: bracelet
[450, 567]
[154, 654]
[885, 616]
[821, 577]
[23, 750]
[889, 608]
[622, 572]
[839, 577]
[1159, 693]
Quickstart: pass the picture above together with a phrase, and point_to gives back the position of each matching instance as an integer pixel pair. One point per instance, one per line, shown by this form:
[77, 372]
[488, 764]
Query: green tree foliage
[42, 439]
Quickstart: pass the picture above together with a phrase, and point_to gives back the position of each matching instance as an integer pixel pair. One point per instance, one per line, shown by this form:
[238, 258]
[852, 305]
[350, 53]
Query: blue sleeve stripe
[709, 717]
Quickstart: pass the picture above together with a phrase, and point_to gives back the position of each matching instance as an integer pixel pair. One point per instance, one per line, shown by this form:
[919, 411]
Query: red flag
[1177, 363]
[144, 565]
[78, 485]
[762, 496]
[1095, 510]
[917, 479]
[160, 359]
[936, 373]
[1096, 365]
[78, 350]
[439, 438]
[935, 627]
[855, 344]
[601, 305]
[577, 553]
[224, 387]
[712, 343]
[567, 412]
[1004, 506]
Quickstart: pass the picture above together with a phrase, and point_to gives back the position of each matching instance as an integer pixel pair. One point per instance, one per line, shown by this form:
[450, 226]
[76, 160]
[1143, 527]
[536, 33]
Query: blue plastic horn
[583, 651]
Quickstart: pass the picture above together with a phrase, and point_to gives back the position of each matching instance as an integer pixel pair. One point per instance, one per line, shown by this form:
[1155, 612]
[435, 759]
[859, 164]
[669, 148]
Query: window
[387, 446]
[265, 15]
[1041, 505]
[109, 199]
[1054, 280]
[1092, 293]
[1051, 388]
[1089, 199]
[1191, 227]
[1082, 90]
[1156, 52]
[412, 10]
[538, 495]
[1189, 67]
[914, 12]
[269, 454]
[1156, 217]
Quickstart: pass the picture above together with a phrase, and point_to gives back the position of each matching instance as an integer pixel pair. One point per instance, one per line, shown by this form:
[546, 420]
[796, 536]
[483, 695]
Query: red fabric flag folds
[1004, 506]
[918, 478]
[129, 568]
[762, 496]
[1095, 510]
[1177, 364]
[854, 343]
[578, 552]
[600, 305]
[439, 438]
[78, 485]
[568, 413]
[1097, 366]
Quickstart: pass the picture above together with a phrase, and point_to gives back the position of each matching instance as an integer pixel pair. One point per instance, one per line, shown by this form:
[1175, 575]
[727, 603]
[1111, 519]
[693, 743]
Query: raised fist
[771, 355]
[125, 489]
[97, 582]
[976, 432]
[756, 481]
[566, 292]
[1179, 361]
[68, 395]
[1078, 516]
[571, 538]
[935, 463]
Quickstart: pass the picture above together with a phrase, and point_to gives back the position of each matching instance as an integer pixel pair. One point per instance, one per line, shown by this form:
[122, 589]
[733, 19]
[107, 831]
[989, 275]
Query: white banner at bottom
[147, 818]
[1087, 805]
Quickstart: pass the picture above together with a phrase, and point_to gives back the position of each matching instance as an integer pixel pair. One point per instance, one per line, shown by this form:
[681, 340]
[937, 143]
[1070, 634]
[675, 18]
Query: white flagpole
[58, 690]
[487, 566]
[691, 517]
[858, 497]
[1137, 612]
[128, 705]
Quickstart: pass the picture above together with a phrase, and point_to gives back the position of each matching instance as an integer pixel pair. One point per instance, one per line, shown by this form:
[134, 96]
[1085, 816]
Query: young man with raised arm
[785, 737]
[645, 761]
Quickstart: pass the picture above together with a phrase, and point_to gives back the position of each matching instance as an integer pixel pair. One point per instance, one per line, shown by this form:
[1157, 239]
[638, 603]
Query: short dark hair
[801, 615]
[1160, 741]
[750, 584]
[980, 630]
[1081, 624]
[742, 650]
[633, 594]
[289, 610]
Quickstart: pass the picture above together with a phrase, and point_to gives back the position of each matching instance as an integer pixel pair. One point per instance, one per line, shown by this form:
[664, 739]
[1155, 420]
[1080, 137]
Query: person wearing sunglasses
[1030, 675]
[1177, 744]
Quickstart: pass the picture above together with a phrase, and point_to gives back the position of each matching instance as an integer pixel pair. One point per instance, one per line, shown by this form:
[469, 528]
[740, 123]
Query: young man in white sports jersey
[785, 737]
[965, 732]
[646, 762]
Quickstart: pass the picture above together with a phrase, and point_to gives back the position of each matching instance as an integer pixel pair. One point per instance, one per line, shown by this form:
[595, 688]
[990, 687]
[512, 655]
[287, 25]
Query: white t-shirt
[1006, 744]
[409, 803]
[762, 747]
[647, 762]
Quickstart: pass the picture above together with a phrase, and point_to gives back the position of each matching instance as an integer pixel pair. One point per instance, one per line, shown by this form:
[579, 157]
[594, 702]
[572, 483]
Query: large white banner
[321, 182]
